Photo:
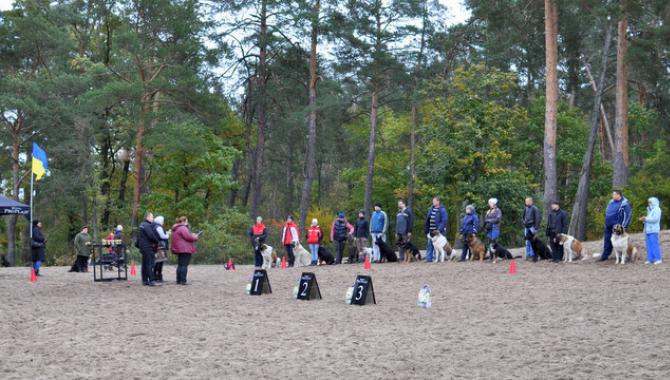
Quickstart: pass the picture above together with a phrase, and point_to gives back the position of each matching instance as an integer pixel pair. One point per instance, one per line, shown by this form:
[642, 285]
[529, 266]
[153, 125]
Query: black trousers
[556, 250]
[258, 257]
[182, 267]
[339, 249]
[289, 253]
[158, 271]
[80, 264]
[466, 247]
[148, 260]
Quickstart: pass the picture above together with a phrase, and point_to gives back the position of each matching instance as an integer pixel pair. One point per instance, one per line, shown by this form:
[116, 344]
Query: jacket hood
[471, 208]
[176, 226]
[654, 202]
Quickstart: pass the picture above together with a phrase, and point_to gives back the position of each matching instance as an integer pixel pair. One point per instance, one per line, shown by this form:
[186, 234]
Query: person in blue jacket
[469, 225]
[436, 219]
[618, 212]
[652, 227]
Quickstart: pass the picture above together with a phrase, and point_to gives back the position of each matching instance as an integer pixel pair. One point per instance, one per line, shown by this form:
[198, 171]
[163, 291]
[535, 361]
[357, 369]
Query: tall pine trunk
[371, 150]
[579, 210]
[310, 171]
[620, 177]
[551, 37]
[139, 155]
[257, 180]
[16, 184]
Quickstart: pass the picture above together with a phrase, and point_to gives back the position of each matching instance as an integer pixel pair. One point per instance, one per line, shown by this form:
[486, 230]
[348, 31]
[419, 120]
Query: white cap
[493, 201]
[159, 220]
[119, 228]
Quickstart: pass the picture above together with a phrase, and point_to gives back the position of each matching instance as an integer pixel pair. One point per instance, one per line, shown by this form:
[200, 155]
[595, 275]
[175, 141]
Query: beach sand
[584, 320]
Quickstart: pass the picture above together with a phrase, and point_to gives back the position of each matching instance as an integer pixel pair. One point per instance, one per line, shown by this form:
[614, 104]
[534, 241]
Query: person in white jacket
[290, 238]
[161, 252]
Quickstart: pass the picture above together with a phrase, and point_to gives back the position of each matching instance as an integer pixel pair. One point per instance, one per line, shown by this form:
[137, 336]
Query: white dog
[622, 245]
[302, 256]
[573, 248]
[266, 252]
[440, 245]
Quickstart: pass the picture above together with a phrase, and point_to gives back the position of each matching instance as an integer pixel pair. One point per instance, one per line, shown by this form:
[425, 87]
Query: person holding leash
[379, 223]
[618, 212]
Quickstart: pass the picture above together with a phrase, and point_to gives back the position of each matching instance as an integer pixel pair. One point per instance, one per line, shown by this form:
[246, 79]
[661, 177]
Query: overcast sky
[456, 10]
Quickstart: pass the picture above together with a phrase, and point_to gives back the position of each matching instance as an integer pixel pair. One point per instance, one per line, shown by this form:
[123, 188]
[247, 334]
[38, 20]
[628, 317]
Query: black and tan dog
[476, 247]
[386, 252]
[498, 251]
[411, 251]
[539, 248]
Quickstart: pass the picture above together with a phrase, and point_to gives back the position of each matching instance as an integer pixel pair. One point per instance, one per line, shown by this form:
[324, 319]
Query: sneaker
[647, 262]
[657, 262]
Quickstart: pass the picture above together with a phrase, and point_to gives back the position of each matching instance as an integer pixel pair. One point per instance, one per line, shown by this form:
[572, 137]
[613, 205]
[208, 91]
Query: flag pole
[32, 176]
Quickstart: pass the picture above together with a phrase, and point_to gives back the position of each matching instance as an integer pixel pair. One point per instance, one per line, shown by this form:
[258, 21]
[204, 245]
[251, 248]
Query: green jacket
[80, 244]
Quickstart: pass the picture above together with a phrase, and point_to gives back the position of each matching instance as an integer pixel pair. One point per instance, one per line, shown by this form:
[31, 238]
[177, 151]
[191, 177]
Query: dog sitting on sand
[498, 251]
[411, 251]
[476, 248]
[622, 245]
[269, 256]
[302, 257]
[325, 257]
[539, 248]
[574, 250]
[441, 246]
[386, 251]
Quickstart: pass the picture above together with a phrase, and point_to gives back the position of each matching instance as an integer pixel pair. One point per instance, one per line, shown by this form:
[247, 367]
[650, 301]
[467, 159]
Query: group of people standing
[376, 228]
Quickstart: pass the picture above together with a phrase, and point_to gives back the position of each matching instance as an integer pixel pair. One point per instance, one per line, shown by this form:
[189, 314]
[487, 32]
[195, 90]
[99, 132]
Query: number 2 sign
[308, 288]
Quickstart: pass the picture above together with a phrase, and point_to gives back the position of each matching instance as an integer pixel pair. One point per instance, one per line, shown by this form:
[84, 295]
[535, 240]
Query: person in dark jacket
[183, 245]
[618, 212]
[557, 223]
[404, 221]
[361, 229]
[147, 242]
[436, 219]
[258, 234]
[469, 225]
[339, 231]
[531, 219]
[82, 243]
[38, 246]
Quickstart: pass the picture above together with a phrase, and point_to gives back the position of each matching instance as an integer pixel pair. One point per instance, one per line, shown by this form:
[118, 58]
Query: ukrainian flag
[40, 164]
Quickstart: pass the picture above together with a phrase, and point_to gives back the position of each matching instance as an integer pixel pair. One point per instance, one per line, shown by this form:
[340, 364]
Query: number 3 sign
[364, 292]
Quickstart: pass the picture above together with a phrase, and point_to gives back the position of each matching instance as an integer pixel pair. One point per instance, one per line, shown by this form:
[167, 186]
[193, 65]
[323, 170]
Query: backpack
[340, 230]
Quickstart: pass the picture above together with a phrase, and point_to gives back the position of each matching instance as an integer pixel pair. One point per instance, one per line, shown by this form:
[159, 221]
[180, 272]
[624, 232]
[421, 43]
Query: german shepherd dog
[476, 247]
[411, 251]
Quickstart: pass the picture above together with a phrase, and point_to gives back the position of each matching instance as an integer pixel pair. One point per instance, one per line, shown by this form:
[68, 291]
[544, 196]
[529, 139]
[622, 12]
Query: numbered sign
[364, 292]
[308, 288]
[260, 283]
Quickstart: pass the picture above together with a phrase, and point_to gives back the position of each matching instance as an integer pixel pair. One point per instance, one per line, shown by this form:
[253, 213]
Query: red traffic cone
[33, 276]
[133, 272]
[512, 267]
[367, 263]
[283, 262]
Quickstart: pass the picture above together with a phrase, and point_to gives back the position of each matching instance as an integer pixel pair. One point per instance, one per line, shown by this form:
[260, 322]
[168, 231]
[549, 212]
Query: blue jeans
[529, 248]
[653, 248]
[314, 249]
[429, 251]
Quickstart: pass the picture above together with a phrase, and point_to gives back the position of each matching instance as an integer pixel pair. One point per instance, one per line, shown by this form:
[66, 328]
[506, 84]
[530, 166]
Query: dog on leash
[574, 249]
[498, 251]
[386, 251]
[411, 251]
[476, 247]
[325, 257]
[539, 248]
[441, 246]
[302, 256]
[622, 245]
[269, 256]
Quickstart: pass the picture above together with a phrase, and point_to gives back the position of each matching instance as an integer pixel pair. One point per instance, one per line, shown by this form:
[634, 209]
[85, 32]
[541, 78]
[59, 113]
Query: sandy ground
[584, 320]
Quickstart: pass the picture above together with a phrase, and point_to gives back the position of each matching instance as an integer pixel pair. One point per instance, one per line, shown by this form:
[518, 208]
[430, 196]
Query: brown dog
[476, 247]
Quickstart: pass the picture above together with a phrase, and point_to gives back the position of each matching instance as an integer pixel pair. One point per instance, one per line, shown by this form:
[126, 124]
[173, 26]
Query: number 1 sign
[364, 292]
[260, 283]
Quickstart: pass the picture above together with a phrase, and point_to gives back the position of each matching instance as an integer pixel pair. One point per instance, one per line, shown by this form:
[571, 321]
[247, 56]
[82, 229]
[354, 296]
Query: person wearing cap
[82, 241]
[258, 234]
[557, 223]
[162, 250]
[469, 225]
[652, 227]
[339, 232]
[314, 237]
[379, 223]
[361, 231]
[37, 246]
[492, 221]
[404, 222]
[290, 239]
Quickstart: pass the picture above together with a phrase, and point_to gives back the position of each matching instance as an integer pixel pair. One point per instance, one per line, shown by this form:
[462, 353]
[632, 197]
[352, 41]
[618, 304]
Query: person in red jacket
[290, 238]
[183, 245]
[314, 237]
[258, 234]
